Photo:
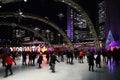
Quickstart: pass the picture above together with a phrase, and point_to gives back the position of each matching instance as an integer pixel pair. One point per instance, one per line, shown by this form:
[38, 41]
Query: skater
[8, 65]
[39, 61]
[53, 59]
[91, 61]
[98, 59]
[81, 54]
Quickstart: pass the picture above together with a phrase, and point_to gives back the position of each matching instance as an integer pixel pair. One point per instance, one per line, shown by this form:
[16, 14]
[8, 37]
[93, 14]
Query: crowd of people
[67, 56]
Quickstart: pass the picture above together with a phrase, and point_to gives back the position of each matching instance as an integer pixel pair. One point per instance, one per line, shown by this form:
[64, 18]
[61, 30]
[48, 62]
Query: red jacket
[9, 60]
[81, 53]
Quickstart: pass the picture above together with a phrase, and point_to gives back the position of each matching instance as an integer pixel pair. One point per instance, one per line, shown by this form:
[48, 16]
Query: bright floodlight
[25, 0]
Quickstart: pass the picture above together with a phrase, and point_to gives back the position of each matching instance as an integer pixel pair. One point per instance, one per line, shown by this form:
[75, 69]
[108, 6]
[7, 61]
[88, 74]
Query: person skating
[91, 61]
[53, 59]
[98, 60]
[81, 54]
[39, 61]
[8, 65]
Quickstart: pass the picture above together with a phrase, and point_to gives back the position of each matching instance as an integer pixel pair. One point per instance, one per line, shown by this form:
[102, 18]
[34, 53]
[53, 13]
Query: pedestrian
[88, 54]
[109, 56]
[68, 56]
[76, 53]
[39, 61]
[91, 61]
[34, 54]
[8, 65]
[53, 59]
[24, 54]
[3, 57]
[47, 56]
[71, 57]
[98, 61]
[81, 54]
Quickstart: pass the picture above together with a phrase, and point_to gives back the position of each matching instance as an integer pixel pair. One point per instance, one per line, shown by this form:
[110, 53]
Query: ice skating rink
[64, 71]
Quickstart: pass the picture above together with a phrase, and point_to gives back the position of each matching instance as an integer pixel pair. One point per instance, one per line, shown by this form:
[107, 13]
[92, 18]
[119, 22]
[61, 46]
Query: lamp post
[60, 15]
[20, 15]
[59, 38]
[47, 35]
[37, 29]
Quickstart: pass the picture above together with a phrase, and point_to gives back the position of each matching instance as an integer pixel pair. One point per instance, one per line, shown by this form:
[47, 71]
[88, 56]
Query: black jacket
[53, 59]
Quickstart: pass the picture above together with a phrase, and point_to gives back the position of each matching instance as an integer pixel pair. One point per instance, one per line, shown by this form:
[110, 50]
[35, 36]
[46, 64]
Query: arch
[47, 21]
[80, 10]
[29, 29]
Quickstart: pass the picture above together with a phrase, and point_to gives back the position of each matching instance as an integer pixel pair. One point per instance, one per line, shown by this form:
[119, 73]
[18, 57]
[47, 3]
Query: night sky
[50, 9]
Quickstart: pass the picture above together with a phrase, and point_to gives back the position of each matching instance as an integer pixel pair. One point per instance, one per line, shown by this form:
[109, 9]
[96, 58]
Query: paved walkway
[77, 71]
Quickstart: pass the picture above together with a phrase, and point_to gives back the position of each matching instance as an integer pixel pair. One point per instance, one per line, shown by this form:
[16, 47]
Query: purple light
[69, 22]
[68, 31]
[111, 66]
[114, 43]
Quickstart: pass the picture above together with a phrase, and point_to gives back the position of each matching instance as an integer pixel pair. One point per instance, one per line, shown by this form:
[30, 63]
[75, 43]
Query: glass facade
[79, 30]
[101, 13]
